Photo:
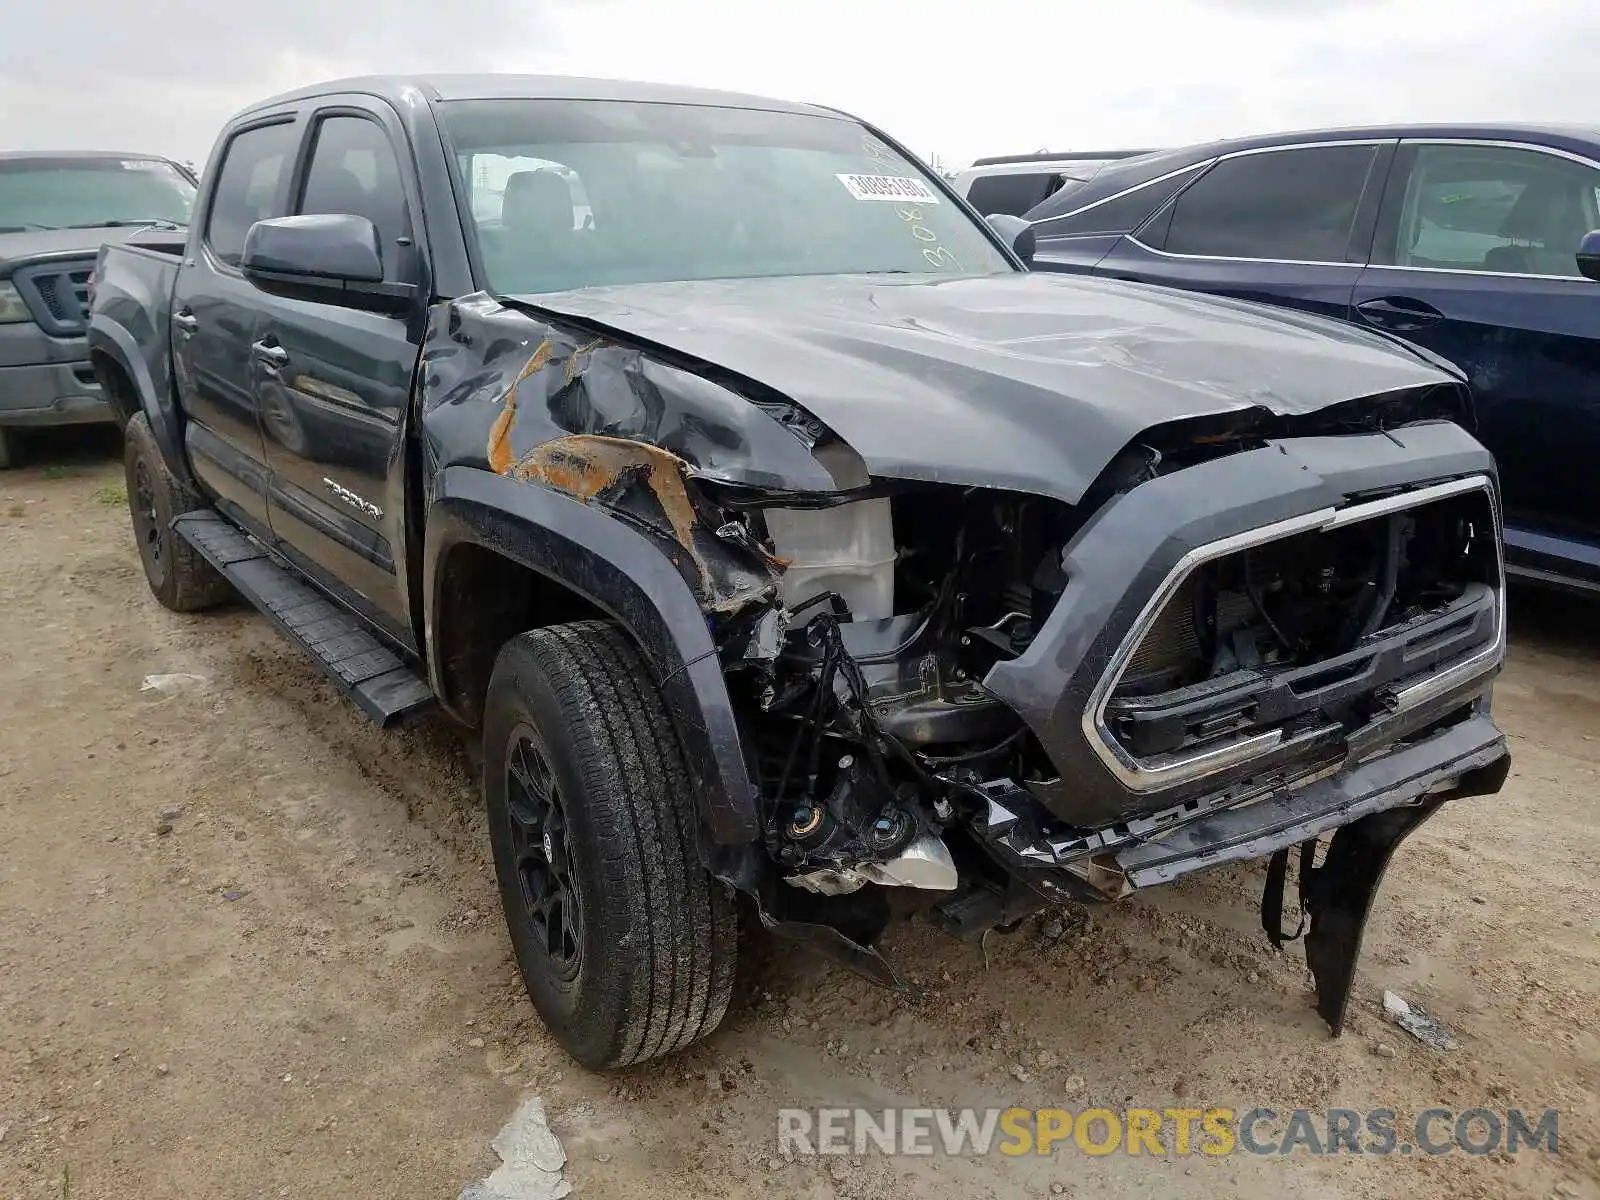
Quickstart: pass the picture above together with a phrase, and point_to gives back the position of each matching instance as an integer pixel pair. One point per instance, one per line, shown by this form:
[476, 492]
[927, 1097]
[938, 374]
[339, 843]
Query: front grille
[57, 295]
[1303, 635]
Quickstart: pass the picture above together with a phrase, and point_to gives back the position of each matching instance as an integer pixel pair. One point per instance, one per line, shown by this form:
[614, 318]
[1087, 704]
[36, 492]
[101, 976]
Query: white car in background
[1014, 183]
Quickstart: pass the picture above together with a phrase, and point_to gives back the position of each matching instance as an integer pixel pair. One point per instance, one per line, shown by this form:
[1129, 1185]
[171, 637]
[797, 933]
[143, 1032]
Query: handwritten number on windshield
[881, 154]
[937, 255]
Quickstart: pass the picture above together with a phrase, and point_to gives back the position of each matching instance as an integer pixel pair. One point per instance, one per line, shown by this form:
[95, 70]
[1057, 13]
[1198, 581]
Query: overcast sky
[956, 79]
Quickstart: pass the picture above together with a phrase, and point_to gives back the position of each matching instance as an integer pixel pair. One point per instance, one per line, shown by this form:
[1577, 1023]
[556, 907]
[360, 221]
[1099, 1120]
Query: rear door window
[1012, 194]
[1122, 213]
[249, 187]
[1298, 204]
[1494, 208]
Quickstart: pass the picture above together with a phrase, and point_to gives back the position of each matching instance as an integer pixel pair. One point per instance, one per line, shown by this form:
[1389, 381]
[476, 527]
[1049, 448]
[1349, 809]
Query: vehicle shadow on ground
[1555, 622]
[66, 447]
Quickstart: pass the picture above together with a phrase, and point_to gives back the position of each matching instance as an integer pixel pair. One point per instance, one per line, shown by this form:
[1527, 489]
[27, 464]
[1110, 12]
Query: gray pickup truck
[790, 544]
[56, 211]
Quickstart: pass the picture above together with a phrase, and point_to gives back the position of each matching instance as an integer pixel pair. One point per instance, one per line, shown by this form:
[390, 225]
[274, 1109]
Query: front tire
[626, 944]
[178, 576]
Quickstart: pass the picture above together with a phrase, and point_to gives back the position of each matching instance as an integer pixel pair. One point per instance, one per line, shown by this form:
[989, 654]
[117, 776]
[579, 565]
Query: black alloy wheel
[539, 842]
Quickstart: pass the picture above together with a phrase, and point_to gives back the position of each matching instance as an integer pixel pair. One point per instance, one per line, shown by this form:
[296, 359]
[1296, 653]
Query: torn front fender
[649, 485]
[611, 425]
[620, 570]
[496, 382]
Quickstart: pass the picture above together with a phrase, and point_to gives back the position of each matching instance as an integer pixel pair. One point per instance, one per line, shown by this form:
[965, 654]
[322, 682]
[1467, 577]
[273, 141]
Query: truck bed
[132, 308]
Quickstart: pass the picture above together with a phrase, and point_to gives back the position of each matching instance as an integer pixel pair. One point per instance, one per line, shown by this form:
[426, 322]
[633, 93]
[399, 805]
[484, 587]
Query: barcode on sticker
[888, 187]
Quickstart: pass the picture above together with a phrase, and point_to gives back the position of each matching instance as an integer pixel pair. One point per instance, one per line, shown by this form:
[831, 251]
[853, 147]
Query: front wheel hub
[539, 827]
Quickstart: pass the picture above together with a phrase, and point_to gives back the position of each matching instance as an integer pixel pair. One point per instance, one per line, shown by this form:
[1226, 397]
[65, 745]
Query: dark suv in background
[1014, 183]
[1461, 239]
[56, 211]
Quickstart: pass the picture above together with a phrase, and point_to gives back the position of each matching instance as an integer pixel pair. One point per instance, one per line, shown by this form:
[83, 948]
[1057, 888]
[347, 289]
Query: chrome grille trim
[1174, 769]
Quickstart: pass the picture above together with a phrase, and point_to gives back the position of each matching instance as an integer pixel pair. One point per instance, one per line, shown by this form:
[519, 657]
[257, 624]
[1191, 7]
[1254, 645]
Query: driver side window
[354, 171]
[1496, 208]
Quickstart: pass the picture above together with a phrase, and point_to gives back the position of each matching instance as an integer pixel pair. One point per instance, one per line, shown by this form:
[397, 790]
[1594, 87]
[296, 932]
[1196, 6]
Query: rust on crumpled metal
[591, 467]
[585, 465]
[500, 433]
[621, 473]
[578, 360]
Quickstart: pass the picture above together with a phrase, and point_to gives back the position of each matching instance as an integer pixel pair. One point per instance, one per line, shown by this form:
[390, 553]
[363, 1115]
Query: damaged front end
[1243, 639]
[1023, 704]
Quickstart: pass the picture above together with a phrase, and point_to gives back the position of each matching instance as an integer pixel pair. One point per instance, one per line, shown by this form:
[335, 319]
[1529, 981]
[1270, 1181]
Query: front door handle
[1400, 313]
[186, 321]
[270, 353]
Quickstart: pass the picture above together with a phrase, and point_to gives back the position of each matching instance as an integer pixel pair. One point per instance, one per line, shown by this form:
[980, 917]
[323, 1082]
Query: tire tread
[639, 803]
[191, 583]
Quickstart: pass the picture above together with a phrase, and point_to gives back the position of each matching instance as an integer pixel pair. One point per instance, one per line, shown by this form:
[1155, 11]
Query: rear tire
[178, 576]
[626, 944]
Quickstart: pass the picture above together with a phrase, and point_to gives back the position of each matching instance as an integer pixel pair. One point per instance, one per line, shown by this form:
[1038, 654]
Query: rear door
[214, 316]
[334, 382]
[1475, 258]
[1287, 225]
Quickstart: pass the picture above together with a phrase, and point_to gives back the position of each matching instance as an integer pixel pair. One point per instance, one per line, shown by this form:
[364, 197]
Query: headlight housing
[12, 309]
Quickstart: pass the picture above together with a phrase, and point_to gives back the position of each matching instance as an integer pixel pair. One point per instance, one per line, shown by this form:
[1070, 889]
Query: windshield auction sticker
[888, 187]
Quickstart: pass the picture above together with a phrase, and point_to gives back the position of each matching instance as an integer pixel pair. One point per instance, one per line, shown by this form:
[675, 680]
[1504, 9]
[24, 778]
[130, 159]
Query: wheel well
[485, 600]
[114, 382]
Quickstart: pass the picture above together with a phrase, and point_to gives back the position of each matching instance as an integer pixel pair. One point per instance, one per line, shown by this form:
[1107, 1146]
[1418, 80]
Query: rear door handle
[186, 321]
[1399, 313]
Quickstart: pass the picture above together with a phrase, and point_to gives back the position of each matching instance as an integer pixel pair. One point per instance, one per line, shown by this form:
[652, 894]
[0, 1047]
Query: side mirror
[1015, 232]
[333, 258]
[1589, 255]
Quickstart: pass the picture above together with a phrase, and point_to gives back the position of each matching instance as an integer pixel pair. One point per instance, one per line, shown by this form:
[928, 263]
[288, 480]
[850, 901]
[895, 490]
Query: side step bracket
[359, 665]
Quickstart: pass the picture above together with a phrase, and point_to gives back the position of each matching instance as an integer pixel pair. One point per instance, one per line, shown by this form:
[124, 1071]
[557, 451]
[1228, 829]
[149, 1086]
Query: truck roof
[535, 87]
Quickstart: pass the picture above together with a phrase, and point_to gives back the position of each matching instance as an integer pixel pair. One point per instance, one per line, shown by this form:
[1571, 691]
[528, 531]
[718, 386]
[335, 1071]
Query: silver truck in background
[56, 211]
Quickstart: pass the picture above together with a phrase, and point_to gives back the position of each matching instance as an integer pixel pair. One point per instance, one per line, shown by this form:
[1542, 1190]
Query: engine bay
[877, 747]
[872, 728]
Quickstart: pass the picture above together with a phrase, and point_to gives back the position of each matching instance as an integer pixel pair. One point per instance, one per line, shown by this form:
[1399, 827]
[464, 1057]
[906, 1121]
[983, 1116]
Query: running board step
[359, 665]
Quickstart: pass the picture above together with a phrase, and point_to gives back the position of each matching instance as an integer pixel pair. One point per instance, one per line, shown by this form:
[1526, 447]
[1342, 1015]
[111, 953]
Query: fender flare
[117, 344]
[619, 570]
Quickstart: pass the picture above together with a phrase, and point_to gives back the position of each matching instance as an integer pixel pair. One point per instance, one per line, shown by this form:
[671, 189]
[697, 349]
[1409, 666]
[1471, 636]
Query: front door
[1475, 259]
[335, 382]
[215, 311]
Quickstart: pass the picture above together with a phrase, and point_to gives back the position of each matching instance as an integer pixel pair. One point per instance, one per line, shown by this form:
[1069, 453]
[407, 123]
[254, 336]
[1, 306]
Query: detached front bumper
[47, 380]
[1469, 759]
[1370, 808]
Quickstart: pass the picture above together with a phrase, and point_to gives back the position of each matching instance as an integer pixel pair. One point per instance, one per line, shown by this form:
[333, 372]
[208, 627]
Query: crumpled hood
[19, 248]
[1031, 382]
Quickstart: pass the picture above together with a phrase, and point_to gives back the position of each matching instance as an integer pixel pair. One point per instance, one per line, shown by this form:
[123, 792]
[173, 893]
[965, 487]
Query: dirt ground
[251, 947]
